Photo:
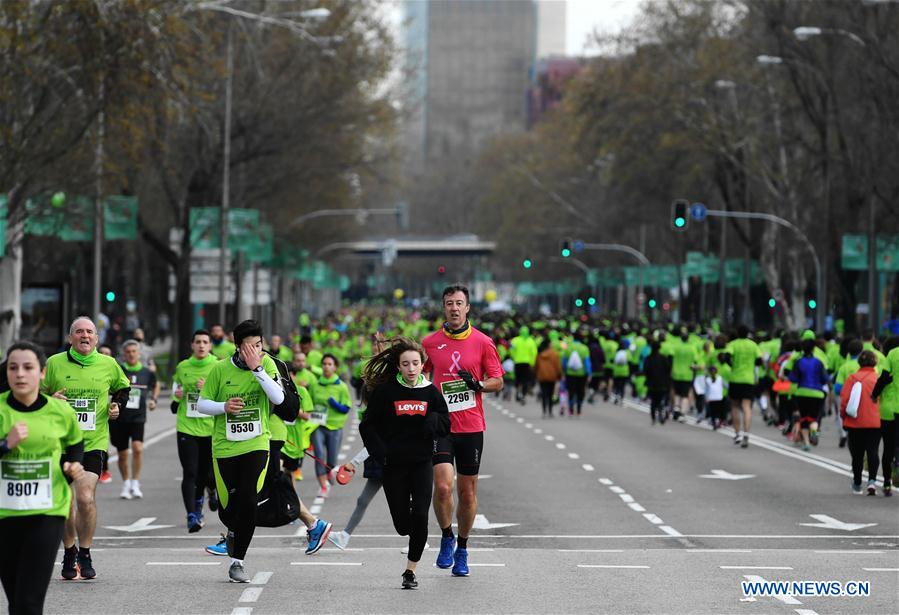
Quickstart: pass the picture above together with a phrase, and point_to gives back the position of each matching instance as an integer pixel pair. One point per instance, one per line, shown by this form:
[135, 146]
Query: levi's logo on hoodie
[410, 407]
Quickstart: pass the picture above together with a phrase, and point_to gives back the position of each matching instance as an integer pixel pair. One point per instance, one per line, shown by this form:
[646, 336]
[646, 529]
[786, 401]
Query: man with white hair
[86, 379]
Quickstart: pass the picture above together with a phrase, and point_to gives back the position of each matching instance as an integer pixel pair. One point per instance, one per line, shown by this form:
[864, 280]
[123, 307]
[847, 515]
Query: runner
[549, 374]
[684, 359]
[221, 347]
[576, 365]
[742, 355]
[276, 349]
[194, 430]
[130, 424]
[39, 440]
[811, 378]
[238, 393]
[888, 391]
[85, 379]
[523, 352]
[861, 418]
[657, 368]
[405, 415]
[463, 364]
[332, 403]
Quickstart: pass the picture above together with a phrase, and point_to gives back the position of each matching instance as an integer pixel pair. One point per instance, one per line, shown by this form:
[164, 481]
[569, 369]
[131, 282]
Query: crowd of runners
[254, 411]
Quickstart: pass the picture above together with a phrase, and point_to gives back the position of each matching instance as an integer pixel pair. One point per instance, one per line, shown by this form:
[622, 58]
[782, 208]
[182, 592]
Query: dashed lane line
[250, 594]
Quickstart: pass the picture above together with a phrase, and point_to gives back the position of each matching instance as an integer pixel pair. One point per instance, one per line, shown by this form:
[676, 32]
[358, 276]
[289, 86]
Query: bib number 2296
[457, 395]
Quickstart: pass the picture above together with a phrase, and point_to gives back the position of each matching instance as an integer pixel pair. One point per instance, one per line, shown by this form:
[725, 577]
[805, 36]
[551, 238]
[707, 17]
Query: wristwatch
[258, 369]
[4, 447]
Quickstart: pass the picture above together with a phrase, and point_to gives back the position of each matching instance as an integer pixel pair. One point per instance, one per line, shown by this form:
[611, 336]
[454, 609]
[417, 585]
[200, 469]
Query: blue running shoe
[194, 523]
[460, 563]
[445, 557]
[317, 536]
[219, 548]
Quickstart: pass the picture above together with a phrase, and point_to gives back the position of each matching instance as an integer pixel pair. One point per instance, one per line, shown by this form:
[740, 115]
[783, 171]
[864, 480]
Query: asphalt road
[598, 514]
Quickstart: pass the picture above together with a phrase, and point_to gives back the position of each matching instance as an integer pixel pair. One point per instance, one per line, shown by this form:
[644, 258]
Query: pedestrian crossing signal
[652, 304]
[526, 263]
[680, 214]
[772, 303]
[579, 303]
[812, 304]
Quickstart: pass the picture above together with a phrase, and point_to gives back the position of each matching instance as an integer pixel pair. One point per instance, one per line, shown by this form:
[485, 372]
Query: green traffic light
[110, 296]
[579, 303]
[680, 222]
[566, 252]
[772, 303]
[652, 304]
[526, 263]
[591, 301]
[812, 304]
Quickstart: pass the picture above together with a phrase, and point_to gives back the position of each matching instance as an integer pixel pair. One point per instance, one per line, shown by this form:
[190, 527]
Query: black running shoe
[409, 581]
[86, 566]
[69, 564]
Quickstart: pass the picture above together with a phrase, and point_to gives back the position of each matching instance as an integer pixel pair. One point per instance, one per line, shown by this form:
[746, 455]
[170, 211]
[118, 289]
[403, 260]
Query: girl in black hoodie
[405, 414]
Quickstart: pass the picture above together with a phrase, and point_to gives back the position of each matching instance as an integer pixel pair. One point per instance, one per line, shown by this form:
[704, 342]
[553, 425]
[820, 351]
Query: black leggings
[29, 551]
[718, 409]
[274, 457]
[195, 454]
[656, 403]
[239, 480]
[809, 410]
[888, 432]
[863, 440]
[408, 489]
[576, 386]
[546, 396]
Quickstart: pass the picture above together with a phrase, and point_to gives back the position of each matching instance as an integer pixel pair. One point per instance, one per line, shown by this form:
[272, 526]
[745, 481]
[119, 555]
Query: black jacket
[401, 423]
[657, 368]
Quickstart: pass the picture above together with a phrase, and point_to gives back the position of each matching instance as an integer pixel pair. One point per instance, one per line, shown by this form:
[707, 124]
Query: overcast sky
[583, 16]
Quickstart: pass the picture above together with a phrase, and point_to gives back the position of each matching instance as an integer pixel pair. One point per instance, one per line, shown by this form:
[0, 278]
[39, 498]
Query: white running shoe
[405, 550]
[339, 539]
[135, 489]
[126, 490]
[323, 492]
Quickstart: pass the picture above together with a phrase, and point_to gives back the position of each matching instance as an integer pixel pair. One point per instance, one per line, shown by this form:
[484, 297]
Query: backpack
[278, 503]
[289, 409]
[621, 357]
[575, 363]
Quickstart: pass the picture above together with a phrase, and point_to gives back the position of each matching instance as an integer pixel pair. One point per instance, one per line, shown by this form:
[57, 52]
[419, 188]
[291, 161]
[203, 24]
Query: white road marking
[149, 441]
[725, 475]
[345, 447]
[242, 610]
[519, 420]
[573, 456]
[591, 550]
[538, 431]
[261, 578]
[486, 565]
[180, 563]
[605, 481]
[829, 523]
[670, 530]
[611, 566]
[341, 457]
[141, 525]
[587, 467]
[805, 612]
[616, 489]
[653, 519]
[327, 563]
[784, 599]
[315, 509]
[755, 567]
[250, 594]
[636, 507]
[528, 425]
[850, 552]
[625, 497]
[719, 550]
[521, 536]
[881, 569]
[512, 415]
[560, 446]
[549, 438]
[351, 439]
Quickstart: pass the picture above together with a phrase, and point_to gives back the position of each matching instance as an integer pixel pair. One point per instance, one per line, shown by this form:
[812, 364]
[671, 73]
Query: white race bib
[26, 484]
[192, 412]
[458, 396]
[318, 416]
[133, 399]
[86, 413]
[245, 425]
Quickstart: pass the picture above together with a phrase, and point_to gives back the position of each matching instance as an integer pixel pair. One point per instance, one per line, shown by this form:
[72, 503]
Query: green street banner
[668, 277]
[205, 229]
[120, 218]
[79, 220]
[888, 253]
[855, 253]
[41, 218]
[695, 265]
[260, 244]
[631, 276]
[711, 270]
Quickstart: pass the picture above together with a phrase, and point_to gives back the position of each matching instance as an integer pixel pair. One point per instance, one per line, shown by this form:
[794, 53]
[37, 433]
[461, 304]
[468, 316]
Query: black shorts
[120, 434]
[607, 373]
[463, 449]
[682, 388]
[738, 391]
[522, 373]
[94, 461]
[765, 384]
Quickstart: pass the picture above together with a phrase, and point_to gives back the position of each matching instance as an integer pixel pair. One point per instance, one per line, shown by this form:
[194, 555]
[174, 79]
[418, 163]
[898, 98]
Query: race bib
[133, 400]
[192, 401]
[458, 396]
[26, 484]
[86, 413]
[245, 425]
[318, 416]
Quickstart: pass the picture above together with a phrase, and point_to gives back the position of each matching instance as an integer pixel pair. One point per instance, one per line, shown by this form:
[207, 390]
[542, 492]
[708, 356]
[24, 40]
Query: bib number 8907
[20, 489]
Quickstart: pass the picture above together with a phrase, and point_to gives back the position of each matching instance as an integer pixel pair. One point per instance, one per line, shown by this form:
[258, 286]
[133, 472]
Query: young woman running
[405, 414]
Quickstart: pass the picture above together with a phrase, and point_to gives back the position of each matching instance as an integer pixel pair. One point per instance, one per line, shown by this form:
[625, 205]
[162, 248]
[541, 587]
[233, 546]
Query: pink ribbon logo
[456, 356]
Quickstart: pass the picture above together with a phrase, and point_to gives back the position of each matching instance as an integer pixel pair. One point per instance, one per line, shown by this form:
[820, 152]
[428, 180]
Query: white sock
[135, 482]
[126, 483]
[314, 523]
[236, 561]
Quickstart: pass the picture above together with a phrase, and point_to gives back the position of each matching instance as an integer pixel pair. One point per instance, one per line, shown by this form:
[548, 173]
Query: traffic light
[578, 303]
[526, 263]
[110, 296]
[772, 303]
[652, 304]
[680, 214]
[591, 301]
[812, 304]
[566, 249]
[441, 269]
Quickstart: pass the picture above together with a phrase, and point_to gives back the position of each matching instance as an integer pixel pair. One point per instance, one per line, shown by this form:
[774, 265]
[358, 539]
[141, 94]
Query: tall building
[472, 63]
[551, 22]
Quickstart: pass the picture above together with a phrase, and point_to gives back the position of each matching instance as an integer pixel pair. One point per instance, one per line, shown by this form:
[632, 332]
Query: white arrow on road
[829, 523]
[725, 475]
[141, 525]
[481, 523]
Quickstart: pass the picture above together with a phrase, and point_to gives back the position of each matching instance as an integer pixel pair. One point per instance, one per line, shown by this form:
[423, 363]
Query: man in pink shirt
[463, 364]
